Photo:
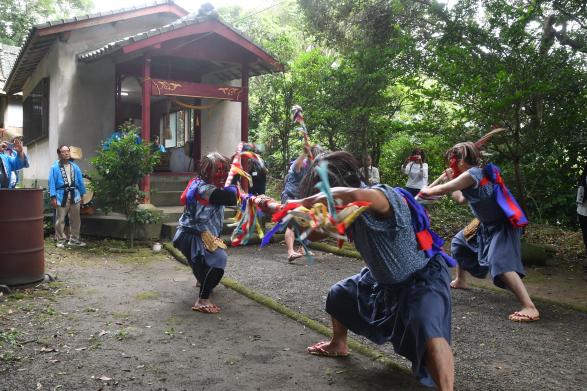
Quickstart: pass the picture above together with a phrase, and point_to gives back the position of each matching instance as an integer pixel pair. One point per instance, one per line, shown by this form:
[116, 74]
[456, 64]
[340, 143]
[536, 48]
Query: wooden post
[118, 97]
[197, 147]
[245, 103]
[146, 120]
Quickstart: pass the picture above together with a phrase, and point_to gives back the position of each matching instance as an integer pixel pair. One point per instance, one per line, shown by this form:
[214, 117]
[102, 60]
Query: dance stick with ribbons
[236, 163]
[297, 116]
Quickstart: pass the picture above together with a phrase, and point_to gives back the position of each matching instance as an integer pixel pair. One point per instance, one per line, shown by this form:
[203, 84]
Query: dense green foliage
[19, 16]
[382, 76]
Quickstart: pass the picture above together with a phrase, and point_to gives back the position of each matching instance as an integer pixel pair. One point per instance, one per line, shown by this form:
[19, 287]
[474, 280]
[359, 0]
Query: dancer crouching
[200, 225]
[402, 296]
[497, 248]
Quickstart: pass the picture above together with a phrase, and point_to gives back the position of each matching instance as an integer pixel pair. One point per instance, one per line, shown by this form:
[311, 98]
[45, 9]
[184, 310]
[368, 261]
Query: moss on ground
[353, 344]
[147, 295]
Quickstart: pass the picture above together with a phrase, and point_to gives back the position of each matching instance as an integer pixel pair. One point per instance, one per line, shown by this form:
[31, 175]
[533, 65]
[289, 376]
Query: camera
[414, 158]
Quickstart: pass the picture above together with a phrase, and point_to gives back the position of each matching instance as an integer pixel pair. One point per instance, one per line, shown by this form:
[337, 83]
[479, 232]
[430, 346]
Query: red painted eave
[162, 8]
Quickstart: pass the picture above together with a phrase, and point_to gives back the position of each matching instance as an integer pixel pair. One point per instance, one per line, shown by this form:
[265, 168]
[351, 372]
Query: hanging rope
[194, 107]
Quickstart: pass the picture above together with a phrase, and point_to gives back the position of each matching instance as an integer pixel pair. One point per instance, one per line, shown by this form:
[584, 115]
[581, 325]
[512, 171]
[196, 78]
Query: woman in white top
[416, 168]
[582, 207]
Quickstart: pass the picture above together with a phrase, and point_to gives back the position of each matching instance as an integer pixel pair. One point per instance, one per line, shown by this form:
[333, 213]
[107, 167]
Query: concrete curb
[353, 344]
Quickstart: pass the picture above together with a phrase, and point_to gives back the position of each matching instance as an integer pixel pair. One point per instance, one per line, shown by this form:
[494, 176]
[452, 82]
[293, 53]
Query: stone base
[114, 225]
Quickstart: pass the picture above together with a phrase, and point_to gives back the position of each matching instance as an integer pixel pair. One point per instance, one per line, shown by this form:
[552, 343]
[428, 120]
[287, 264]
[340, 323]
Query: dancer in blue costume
[402, 296]
[496, 248]
[291, 191]
[200, 225]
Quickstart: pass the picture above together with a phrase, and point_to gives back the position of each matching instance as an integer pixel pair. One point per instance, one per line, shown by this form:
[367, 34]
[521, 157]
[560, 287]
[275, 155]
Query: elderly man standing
[66, 188]
[11, 163]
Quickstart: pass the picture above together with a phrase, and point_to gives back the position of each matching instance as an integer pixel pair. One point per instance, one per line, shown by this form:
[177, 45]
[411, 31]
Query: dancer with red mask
[200, 225]
[496, 248]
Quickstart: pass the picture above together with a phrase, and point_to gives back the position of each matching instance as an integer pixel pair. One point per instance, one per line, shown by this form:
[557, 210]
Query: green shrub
[119, 169]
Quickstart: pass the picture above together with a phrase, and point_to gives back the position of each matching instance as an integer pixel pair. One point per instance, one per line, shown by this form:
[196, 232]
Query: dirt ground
[123, 321]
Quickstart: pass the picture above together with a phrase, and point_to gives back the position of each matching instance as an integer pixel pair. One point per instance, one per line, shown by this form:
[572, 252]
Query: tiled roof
[257, 68]
[36, 46]
[97, 53]
[8, 55]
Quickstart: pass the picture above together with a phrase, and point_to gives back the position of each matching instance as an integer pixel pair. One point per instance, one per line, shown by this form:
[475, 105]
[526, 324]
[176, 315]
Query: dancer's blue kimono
[496, 248]
[291, 188]
[9, 164]
[203, 213]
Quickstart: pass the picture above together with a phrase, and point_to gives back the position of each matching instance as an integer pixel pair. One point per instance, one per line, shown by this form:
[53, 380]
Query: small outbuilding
[182, 77]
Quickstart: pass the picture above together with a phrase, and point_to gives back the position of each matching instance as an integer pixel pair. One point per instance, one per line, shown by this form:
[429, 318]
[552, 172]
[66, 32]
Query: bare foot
[205, 306]
[292, 256]
[458, 284]
[328, 349]
[525, 315]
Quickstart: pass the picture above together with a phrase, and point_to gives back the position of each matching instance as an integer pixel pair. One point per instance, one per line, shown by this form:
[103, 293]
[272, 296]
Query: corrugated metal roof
[35, 47]
[8, 56]
[188, 20]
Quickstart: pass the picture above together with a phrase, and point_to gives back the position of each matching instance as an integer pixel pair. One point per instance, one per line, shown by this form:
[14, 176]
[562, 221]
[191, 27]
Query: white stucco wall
[81, 98]
[221, 125]
[13, 115]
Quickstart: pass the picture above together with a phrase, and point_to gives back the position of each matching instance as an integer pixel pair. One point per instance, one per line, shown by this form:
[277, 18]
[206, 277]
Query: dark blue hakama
[192, 247]
[406, 314]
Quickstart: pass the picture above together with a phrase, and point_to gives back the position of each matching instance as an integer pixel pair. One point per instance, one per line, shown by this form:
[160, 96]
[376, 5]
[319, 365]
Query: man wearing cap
[66, 188]
[11, 162]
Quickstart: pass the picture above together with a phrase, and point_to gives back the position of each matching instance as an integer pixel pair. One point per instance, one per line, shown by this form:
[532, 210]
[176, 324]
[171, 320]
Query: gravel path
[491, 352]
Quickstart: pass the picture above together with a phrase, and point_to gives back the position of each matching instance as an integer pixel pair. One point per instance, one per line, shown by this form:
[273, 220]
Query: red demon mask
[453, 163]
[220, 173]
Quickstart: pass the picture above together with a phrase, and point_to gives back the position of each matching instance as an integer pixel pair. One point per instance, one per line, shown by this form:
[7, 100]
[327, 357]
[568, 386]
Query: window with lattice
[36, 113]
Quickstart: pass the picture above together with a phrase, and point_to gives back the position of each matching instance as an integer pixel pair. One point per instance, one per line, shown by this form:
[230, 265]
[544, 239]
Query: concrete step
[114, 225]
[165, 198]
[169, 182]
[170, 214]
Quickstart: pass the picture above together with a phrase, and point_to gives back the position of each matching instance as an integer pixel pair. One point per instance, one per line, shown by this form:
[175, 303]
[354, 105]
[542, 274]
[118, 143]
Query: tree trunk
[363, 143]
[131, 234]
[516, 160]
[519, 183]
